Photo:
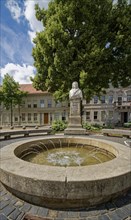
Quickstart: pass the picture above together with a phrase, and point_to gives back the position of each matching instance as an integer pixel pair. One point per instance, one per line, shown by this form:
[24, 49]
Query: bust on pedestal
[75, 126]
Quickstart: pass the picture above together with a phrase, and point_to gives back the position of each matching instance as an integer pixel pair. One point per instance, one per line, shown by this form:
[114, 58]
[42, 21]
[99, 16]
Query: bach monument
[75, 121]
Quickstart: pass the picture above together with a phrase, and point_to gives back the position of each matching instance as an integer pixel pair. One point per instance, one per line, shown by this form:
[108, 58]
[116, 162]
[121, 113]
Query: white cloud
[29, 13]
[14, 9]
[21, 74]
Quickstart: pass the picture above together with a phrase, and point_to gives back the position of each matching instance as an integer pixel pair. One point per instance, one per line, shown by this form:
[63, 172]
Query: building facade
[114, 107]
[39, 108]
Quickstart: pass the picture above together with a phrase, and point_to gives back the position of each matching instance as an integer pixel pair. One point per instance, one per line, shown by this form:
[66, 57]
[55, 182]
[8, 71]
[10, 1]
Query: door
[125, 117]
[45, 118]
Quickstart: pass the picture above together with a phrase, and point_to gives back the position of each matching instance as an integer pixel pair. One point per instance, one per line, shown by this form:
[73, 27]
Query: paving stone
[7, 197]
[103, 217]
[13, 201]
[92, 218]
[82, 218]
[14, 214]
[42, 211]
[53, 213]
[58, 218]
[2, 193]
[113, 216]
[26, 207]
[34, 217]
[123, 213]
[73, 214]
[71, 219]
[62, 214]
[3, 217]
[3, 204]
[19, 203]
[8, 209]
[83, 214]
[90, 212]
[20, 217]
[34, 210]
[127, 207]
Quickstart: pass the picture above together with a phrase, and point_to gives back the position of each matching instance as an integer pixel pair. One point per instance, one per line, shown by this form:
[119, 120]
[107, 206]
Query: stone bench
[117, 132]
[26, 133]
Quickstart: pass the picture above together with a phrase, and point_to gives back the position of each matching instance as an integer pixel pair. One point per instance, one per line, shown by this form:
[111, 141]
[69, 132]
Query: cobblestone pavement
[13, 208]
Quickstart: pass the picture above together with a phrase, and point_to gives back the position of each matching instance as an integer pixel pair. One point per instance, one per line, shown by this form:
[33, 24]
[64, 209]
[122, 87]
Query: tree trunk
[19, 116]
[11, 114]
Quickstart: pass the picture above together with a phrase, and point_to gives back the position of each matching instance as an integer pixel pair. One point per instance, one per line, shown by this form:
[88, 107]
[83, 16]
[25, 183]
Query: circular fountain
[66, 172]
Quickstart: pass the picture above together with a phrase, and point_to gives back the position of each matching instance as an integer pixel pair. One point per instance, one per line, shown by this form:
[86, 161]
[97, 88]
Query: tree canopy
[82, 40]
[10, 94]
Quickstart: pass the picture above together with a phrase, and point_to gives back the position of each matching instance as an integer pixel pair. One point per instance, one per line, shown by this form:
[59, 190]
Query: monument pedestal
[75, 126]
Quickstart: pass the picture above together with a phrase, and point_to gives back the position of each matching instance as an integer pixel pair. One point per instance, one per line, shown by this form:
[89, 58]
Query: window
[49, 103]
[42, 104]
[95, 115]
[29, 116]
[56, 115]
[119, 100]
[128, 98]
[34, 104]
[95, 99]
[110, 99]
[87, 115]
[103, 115]
[63, 116]
[29, 105]
[35, 116]
[16, 119]
[103, 99]
[110, 114]
[23, 117]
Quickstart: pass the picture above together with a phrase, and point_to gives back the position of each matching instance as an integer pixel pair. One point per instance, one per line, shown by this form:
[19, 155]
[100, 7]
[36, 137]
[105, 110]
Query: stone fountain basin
[66, 187]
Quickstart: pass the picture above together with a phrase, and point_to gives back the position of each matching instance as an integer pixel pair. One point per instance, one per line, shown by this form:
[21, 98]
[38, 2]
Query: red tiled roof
[30, 89]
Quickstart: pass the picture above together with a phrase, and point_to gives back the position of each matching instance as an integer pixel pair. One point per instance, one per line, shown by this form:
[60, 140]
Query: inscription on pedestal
[74, 109]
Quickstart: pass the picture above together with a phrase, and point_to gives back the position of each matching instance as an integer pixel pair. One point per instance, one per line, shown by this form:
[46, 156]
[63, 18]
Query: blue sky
[18, 28]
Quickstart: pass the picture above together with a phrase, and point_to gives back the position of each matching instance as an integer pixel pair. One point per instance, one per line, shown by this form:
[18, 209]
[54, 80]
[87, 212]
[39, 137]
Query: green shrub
[59, 125]
[97, 126]
[127, 125]
[94, 127]
[87, 126]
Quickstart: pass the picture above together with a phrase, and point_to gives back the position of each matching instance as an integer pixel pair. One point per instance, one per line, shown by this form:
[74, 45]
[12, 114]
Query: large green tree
[11, 95]
[82, 40]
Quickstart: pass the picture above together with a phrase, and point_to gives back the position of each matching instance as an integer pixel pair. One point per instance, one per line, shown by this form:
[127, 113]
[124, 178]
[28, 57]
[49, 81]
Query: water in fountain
[54, 154]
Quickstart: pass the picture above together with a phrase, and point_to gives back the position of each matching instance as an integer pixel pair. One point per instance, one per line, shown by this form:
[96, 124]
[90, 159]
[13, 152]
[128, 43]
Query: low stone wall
[66, 187]
[7, 134]
[125, 133]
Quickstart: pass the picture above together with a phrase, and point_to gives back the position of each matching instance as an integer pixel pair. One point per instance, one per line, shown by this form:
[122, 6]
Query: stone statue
[75, 92]
[75, 117]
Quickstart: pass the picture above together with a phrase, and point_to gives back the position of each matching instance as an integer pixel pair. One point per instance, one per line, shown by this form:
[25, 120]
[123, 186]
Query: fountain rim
[11, 164]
